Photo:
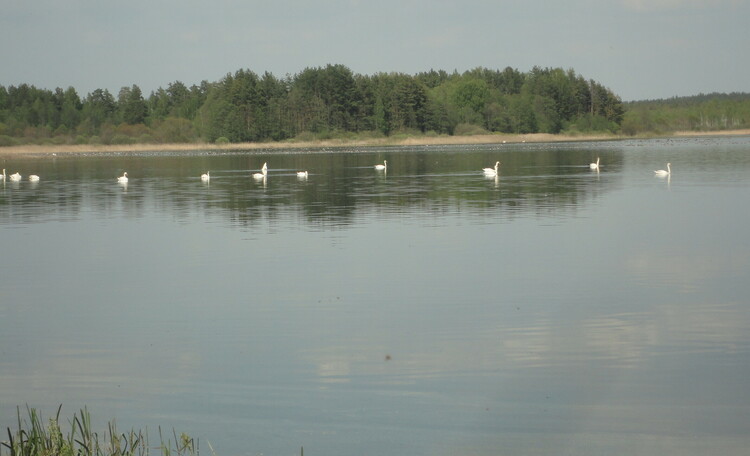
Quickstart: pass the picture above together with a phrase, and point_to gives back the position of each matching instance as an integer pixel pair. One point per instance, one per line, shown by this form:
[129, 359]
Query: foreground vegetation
[36, 436]
[315, 104]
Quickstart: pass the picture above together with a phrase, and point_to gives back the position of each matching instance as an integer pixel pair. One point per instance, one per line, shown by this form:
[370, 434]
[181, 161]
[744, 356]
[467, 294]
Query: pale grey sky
[640, 49]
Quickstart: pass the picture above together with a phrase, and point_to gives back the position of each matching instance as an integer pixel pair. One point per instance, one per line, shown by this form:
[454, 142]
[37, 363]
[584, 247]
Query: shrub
[119, 138]
[323, 135]
[465, 129]
[371, 134]
[134, 131]
[7, 141]
[60, 140]
[173, 130]
[305, 136]
[588, 124]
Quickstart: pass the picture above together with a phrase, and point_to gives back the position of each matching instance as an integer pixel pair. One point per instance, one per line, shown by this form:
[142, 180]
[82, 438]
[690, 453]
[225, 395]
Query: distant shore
[42, 150]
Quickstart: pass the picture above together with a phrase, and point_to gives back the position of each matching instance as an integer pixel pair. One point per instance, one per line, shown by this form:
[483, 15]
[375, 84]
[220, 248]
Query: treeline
[317, 103]
[704, 112]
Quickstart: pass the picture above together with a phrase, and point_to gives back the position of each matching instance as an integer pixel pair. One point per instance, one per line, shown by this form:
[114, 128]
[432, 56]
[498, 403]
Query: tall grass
[36, 437]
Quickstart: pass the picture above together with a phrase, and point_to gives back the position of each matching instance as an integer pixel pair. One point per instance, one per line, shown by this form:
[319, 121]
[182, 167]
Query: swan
[15, 177]
[34, 178]
[263, 172]
[123, 179]
[301, 173]
[206, 177]
[491, 171]
[661, 172]
[594, 165]
[383, 166]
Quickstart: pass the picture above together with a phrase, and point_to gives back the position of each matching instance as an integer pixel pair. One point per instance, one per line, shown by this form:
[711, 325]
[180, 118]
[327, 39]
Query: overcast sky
[640, 49]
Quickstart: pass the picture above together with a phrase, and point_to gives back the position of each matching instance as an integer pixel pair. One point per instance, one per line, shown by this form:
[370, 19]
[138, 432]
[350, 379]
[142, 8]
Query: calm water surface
[427, 310]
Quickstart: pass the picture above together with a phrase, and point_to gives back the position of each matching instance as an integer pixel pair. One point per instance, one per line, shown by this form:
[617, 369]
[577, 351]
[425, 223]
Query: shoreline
[43, 150]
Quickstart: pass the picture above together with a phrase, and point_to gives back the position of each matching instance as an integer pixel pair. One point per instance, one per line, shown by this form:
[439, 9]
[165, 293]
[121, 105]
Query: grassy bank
[388, 141]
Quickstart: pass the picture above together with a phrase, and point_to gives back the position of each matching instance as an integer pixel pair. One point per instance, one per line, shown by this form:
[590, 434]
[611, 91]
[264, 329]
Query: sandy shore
[35, 150]
[713, 133]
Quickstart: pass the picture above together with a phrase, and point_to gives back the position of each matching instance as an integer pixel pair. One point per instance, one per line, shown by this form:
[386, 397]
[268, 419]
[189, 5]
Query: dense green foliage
[711, 112]
[316, 103]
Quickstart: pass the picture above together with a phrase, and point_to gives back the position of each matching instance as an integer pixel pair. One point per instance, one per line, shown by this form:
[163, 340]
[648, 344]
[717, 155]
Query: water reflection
[342, 184]
[550, 308]
[628, 340]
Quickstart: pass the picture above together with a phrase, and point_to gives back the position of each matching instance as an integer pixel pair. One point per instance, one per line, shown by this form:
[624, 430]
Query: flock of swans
[593, 166]
[16, 177]
[206, 177]
[658, 172]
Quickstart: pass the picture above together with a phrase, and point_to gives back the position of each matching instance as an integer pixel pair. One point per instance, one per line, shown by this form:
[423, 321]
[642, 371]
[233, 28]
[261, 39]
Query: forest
[316, 103]
[333, 102]
[703, 112]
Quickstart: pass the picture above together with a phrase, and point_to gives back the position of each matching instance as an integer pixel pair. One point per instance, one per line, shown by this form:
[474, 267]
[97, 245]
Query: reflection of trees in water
[341, 189]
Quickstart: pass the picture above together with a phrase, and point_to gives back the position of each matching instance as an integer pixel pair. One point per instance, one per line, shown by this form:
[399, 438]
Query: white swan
[15, 177]
[594, 165]
[661, 172]
[263, 172]
[206, 177]
[301, 173]
[383, 166]
[123, 179]
[34, 178]
[491, 171]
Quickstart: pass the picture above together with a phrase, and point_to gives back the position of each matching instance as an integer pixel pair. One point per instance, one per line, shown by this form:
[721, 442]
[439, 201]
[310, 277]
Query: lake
[422, 310]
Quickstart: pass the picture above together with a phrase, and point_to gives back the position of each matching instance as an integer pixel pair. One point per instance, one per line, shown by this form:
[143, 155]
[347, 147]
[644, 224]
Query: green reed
[36, 437]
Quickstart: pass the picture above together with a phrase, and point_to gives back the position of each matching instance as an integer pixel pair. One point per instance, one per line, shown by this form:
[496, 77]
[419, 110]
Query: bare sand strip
[43, 150]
